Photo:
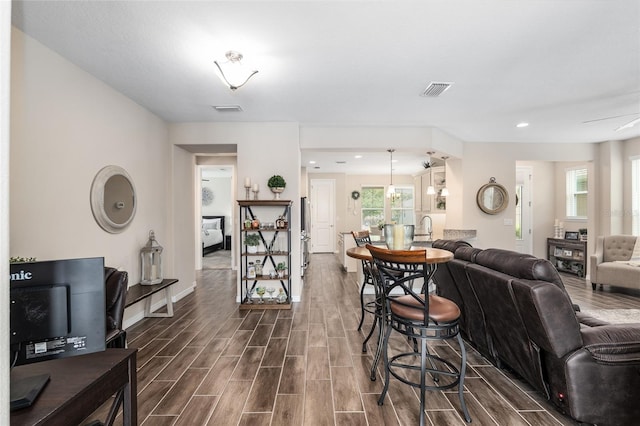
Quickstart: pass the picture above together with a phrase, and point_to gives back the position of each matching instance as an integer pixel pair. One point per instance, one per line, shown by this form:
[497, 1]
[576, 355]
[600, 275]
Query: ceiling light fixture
[236, 75]
[430, 189]
[521, 125]
[391, 191]
[444, 192]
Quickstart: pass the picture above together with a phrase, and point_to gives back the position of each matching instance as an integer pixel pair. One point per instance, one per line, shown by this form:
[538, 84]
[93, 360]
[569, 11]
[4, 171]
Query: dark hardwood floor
[212, 364]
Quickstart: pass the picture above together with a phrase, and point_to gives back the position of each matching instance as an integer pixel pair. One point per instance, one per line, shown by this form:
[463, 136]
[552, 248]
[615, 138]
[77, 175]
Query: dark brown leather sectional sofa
[517, 313]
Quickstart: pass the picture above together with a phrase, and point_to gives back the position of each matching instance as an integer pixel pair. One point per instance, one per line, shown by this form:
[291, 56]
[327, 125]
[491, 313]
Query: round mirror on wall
[113, 199]
[492, 197]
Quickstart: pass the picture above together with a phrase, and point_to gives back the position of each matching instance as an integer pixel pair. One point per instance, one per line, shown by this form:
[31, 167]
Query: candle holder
[247, 187]
[255, 193]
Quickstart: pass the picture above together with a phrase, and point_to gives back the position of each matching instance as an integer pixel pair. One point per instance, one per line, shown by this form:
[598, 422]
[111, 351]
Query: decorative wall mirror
[492, 197]
[113, 199]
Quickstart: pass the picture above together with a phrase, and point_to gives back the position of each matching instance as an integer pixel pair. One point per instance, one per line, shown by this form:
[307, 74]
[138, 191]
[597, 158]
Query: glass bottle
[255, 223]
[282, 297]
[251, 270]
[258, 268]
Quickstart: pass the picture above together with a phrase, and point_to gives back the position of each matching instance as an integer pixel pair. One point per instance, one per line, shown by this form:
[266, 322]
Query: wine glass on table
[260, 291]
[271, 290]
[250, 296]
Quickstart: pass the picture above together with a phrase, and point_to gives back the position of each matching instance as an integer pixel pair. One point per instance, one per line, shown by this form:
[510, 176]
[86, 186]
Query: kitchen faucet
[429, 229]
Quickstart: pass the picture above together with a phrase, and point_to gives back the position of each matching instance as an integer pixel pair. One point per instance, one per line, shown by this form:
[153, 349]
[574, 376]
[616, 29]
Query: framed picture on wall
[570, 235]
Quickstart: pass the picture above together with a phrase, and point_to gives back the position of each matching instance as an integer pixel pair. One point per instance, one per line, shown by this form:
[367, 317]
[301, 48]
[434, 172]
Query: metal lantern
[151, 257]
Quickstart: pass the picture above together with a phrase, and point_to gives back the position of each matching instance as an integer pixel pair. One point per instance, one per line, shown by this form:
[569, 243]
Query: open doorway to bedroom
[216, 187]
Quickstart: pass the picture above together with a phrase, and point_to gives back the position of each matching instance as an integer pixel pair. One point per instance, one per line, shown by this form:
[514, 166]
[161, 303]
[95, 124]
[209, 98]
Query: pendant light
[445, 192]
[391, 191]
[430, 189]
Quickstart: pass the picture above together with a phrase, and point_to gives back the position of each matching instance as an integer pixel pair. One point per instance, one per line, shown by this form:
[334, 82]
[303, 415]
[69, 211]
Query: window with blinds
[577, 193]
[635, 196]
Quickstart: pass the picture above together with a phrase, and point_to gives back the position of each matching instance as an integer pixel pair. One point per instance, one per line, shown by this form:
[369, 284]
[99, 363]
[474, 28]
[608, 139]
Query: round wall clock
[207, 196]
[355, 195]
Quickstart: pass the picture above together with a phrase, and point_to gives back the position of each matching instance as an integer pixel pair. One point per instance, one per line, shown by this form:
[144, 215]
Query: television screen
[57, 309]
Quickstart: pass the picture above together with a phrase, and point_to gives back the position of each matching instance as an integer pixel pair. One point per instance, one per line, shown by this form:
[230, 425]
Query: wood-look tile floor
[212, 364]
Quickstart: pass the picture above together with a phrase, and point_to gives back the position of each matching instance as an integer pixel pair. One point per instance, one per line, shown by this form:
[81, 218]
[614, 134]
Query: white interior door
[323, 235]
[524, 237]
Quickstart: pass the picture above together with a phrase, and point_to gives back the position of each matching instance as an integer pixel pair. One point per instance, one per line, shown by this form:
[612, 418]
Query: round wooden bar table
[433, 257]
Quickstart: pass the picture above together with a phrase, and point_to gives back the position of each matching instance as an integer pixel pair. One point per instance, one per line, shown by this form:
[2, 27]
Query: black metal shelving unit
[272, 251]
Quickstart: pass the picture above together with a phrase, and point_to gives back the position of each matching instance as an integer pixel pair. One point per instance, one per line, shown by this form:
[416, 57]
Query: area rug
[615, 316]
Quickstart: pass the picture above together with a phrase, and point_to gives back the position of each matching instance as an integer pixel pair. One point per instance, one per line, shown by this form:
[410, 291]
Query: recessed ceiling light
[357, 156]
[521, 125]
[312, 162]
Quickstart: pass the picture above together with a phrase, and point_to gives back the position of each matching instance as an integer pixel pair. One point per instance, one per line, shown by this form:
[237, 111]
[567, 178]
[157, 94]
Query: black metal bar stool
[420, 317]
[362, 238]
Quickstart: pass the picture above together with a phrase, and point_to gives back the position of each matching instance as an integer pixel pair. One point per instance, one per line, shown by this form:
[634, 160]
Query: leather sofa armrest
[613, 344]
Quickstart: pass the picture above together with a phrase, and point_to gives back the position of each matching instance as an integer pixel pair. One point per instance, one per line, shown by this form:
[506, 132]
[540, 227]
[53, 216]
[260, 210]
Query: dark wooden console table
[141, 292]
[79, 386]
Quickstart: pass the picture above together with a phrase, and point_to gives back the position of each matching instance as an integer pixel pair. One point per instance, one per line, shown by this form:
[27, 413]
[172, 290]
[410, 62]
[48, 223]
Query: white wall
[482, 161]
[5, 59]
[65, 126]
[223, 202]
[263, 149]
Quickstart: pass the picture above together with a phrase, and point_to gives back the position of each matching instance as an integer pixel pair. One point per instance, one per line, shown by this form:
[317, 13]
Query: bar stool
[420, 317]
[362, 238]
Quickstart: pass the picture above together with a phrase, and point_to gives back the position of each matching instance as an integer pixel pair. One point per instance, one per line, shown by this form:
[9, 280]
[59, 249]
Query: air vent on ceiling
[435, 89]
[341, 162]
[227, 108]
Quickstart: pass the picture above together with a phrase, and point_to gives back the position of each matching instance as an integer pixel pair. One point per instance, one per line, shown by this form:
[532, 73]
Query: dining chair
[419, 317]
[362, 238]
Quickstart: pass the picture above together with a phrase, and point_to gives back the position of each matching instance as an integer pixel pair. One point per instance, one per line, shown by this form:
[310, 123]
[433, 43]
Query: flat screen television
[57, 310]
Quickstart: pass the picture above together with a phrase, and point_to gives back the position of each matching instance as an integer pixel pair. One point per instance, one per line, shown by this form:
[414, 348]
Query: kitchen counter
[459, 234]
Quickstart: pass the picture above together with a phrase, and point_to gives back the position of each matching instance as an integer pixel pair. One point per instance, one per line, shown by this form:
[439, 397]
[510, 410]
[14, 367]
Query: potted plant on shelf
[277, 184]
[281, 269]
[252, 241]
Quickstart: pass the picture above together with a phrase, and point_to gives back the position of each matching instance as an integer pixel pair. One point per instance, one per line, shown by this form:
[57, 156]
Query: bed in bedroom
[212, 233]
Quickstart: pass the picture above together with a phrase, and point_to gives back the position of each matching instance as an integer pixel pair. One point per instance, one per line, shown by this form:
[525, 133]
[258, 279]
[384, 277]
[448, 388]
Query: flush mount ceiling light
[232, 72]
[521, 125]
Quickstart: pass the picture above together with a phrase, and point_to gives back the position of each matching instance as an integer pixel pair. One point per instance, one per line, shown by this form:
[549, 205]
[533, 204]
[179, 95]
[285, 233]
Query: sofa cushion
[619, 274]
[548, 316]
[467, 254]
[519, 265]
[618, 247]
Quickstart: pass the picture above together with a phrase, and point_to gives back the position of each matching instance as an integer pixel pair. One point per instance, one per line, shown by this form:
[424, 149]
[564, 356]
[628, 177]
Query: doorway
[216, 208]
[523, 229]
[323, 213]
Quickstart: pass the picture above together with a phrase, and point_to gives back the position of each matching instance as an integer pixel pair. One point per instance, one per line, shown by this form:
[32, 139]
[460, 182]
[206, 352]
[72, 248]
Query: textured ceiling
[555, 64]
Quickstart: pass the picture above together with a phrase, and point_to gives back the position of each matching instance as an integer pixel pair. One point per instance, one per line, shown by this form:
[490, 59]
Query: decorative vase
[252, 249]
[277, 191]
[398, 237]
